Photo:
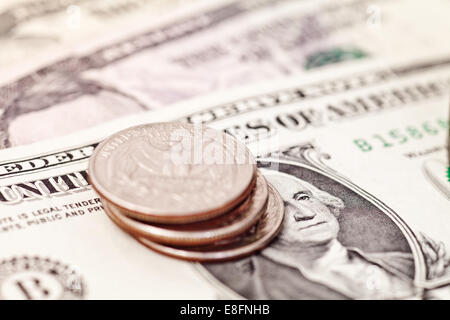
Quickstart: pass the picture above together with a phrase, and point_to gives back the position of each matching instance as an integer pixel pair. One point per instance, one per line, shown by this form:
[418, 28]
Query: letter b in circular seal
[34, 278]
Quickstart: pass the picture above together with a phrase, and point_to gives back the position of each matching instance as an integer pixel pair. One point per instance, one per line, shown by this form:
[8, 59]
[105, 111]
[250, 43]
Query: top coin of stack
[185, 190]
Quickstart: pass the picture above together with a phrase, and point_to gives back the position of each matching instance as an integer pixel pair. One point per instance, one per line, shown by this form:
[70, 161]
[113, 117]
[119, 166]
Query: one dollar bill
[365, 144]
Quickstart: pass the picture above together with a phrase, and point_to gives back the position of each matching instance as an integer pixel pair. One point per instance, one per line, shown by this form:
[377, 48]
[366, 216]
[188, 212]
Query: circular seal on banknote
[172, 172]
[255, 239]
[35, 278]
[228, 225]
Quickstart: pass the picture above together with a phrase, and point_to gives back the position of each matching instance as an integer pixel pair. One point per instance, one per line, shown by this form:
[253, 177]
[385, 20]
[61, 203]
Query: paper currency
[30, 28]
[228, 44]
[350, 147]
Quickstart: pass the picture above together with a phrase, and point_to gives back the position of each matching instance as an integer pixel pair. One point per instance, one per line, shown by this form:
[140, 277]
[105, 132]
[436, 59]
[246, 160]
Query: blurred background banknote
[30, 28]
[145, 64]
[354, 119]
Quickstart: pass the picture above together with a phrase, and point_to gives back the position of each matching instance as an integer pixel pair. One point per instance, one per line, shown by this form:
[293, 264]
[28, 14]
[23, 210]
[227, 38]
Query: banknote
[360, 149]
[226, 44]
[29, 28]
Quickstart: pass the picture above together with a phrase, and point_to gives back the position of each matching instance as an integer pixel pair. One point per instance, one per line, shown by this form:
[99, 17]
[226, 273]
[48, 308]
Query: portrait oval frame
[318, 166]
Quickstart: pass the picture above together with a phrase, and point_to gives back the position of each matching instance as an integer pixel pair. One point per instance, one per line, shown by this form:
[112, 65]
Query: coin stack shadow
[243, 217]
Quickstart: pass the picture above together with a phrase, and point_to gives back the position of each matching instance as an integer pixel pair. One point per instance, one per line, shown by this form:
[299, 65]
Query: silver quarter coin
[172, 172]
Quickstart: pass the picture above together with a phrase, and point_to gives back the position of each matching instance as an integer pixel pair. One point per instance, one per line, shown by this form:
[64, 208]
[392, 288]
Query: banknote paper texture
[30, 28]
[362, 145]
[225, 45]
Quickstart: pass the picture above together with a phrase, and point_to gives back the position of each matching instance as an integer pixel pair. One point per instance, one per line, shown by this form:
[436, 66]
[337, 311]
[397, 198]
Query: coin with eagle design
[172, 172]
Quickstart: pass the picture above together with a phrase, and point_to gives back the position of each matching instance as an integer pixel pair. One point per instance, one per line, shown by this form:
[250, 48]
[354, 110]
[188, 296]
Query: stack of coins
[187, 191]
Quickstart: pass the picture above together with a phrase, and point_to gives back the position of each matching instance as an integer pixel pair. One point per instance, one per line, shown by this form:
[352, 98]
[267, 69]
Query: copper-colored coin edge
[224, 255]
[186, 238]
[178, 219]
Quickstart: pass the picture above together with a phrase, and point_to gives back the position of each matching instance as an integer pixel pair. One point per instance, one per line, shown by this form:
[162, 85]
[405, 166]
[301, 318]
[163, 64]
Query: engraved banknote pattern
[148, 70]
